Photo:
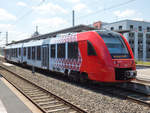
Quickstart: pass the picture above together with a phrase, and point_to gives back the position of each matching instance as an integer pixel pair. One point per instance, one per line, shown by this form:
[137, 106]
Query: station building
[138, 35]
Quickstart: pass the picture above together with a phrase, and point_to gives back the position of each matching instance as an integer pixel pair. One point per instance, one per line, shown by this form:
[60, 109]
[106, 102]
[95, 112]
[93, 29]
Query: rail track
[140, 94]
[46, 101]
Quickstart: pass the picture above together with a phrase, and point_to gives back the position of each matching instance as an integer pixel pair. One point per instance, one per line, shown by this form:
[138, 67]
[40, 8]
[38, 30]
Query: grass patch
[142, 63]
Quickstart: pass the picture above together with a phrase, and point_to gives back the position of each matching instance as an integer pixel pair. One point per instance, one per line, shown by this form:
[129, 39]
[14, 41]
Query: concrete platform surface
[143, 74]
[9, 102]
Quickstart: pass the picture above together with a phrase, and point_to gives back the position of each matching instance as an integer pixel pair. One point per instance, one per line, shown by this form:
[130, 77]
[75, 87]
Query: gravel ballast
[92, 101]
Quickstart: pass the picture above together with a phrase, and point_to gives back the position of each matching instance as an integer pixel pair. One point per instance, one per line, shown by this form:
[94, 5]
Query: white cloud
[13, 33]
[4, 15]
[50, 24]
[73, 1]
[81, 7]
[49, 8]
[22, 4]
[6, 27]
[17, 35]
[126, 13]
[138, 19]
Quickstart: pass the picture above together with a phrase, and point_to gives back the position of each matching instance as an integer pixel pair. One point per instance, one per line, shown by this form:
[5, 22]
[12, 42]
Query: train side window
[33, 53]
[91, 50]
[29, 52]
[61, 50]
[13, 52]
[53, 51]
[73, 50]
[19, 51]
[38, 52]
[16, 53]
[24, 51]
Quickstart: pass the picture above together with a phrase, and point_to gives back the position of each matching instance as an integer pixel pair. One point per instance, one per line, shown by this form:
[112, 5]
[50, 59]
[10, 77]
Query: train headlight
[115, 62]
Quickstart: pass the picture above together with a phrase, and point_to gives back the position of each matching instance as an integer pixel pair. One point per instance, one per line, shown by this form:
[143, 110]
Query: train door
[45, 56]
[82, 49]
[21, 54]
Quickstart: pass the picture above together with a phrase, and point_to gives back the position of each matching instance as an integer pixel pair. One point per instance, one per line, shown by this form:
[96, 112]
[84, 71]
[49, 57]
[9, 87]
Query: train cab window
[33, 53]
[24, 51]
[61, 51]
[90, 48]
[53, 51]
[29, 52]
[73, 50]
[38, 52]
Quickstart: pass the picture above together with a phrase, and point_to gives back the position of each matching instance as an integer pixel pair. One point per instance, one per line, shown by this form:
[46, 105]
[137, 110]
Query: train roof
[14, 46]
[78, 28]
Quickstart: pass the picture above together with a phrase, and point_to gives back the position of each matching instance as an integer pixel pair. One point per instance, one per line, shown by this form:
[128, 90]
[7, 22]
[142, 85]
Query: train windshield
[115, 44]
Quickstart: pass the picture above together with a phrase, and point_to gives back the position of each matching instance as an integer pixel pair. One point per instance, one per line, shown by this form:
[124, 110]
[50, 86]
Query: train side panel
[99, 67]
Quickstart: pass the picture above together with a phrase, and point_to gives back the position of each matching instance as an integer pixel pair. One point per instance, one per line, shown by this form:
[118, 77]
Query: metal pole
[73, 19]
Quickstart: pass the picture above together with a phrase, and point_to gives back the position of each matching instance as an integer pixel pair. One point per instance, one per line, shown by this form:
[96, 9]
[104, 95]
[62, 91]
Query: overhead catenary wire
[27, 13]
[106, 9]
[81, 17]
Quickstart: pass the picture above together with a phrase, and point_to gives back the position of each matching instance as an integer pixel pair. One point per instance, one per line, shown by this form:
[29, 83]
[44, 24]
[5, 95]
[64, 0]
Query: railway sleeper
[42, 97]
[58, 110]
[37, 95]
[30, 88]
[34, 93]
[44, 100]
[43, 103]
[52, 106]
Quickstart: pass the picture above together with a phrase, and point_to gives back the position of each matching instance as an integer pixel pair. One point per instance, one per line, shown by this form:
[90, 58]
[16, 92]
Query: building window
[120, 27]
[131, 34]
[38, 52]
[61, 51]
[33, 53]
[131, 27]
[91, 50]
[148, 36]
[29, 52]
[24, 51]
[140, 35]
[53, 50]
[73, 50]
[130, 41]
[148, 29]
[140, 28]
[112, 28]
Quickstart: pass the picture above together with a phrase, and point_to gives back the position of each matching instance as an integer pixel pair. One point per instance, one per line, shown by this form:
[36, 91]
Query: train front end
[123, 63]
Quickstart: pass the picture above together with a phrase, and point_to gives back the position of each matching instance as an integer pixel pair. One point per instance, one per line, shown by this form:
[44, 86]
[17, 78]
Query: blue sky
[19, 17]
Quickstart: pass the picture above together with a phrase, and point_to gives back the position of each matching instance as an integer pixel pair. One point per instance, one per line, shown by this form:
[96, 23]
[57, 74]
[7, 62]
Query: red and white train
[101, 55]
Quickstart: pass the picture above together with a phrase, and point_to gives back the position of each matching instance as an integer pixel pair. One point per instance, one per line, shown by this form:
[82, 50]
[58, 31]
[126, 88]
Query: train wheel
[83, 77]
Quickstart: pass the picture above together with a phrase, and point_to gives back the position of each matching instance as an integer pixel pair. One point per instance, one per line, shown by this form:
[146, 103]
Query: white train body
[38, 53]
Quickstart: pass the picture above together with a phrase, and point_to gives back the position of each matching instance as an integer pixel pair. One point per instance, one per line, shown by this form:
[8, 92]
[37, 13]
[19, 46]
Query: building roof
[127, 20]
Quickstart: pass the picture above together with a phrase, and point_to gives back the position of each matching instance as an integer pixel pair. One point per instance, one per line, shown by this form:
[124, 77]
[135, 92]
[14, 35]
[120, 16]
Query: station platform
[143, 74]
[10, 102]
